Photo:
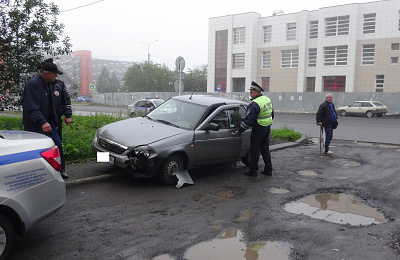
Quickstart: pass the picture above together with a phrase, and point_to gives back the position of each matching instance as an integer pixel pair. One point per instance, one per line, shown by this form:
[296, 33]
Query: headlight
[145, 151]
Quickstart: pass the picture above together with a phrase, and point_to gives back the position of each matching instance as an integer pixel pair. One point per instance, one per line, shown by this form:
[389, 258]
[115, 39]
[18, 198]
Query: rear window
[377, 104]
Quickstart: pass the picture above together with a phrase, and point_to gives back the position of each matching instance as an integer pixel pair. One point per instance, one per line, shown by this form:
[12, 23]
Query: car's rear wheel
[171, 165]
[343, 112]
[133, 114]
[369, 114]
[7, 236]
[246, 159]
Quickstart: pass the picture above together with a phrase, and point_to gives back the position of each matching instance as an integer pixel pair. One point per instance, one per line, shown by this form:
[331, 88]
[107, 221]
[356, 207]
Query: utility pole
[148, 49]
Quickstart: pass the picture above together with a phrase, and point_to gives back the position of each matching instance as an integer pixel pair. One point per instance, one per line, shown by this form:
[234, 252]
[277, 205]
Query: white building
[347, 48]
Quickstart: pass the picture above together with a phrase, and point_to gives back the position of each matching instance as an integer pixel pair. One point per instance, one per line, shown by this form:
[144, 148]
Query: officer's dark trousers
[259, 142]
[59, 132]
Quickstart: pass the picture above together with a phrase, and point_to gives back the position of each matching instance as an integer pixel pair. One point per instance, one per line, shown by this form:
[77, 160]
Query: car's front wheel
[343, 112]
[171, 165]
[7, 236]
[369, 114]
[133, 114]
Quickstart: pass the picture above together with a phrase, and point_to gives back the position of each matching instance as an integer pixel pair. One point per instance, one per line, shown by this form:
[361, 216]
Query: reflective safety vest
[264, 118]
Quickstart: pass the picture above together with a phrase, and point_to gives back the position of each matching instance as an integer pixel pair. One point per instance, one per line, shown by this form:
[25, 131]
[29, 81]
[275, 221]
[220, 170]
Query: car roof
[208, 100]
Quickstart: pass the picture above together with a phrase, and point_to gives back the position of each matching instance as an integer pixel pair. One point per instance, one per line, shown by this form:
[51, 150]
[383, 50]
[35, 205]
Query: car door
[140, 107]
[355, 108]
[218, 146]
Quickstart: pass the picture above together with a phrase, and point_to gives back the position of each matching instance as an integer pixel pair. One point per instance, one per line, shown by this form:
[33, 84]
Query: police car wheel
[169, 167]
[133, 114]
[7, 236]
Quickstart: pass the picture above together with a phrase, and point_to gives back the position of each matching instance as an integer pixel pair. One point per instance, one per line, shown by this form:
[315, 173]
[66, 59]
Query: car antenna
[191, 95]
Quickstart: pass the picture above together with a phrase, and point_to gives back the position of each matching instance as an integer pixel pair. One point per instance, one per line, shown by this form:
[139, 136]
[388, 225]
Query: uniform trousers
[259, 143]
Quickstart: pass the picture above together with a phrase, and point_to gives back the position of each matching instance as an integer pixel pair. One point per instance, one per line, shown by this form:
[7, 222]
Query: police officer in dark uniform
[260, 115]
[39, 114]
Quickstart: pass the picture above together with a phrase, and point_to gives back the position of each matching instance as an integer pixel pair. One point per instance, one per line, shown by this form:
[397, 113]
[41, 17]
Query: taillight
[52, 156]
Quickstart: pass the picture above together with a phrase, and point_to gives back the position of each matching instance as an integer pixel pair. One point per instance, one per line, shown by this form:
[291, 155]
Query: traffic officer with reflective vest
[259, 118]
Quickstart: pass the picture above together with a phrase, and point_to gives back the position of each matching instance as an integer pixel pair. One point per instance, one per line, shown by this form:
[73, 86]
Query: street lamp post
[148, 49]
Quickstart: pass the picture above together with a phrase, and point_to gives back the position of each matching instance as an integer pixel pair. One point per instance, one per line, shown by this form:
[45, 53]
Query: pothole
[337, 208]
[307, 173]
[244, 215]
[352, 164]
[231, 245]
[278, 191]
[320, 180]
[228, 194]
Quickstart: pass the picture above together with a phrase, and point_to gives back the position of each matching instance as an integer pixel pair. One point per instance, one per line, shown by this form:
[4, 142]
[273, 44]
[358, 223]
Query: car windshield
[178, 113]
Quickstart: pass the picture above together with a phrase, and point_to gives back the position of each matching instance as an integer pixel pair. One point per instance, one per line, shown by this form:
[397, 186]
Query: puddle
[352, 164]
[227, 194]
[337, 208]
[163, 257]
[278, 191]
[320, 180]
[307, 173]
[341, 178]
[230, 245]
[174, 211]
[244, 215]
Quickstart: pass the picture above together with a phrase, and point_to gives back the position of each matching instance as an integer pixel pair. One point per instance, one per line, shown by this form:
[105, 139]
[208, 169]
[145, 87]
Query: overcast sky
[124, 29]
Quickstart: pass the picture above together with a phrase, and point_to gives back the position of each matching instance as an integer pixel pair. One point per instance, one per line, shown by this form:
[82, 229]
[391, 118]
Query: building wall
[359, 78]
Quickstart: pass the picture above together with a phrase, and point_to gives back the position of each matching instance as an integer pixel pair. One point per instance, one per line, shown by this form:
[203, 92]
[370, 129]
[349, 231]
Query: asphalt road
[376, 129]
[228, 216]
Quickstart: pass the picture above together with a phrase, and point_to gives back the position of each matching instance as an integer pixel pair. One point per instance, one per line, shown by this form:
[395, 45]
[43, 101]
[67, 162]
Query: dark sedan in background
[182, 133]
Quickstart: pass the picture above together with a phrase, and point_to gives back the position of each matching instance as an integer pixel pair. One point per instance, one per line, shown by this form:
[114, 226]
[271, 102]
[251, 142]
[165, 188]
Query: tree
[196, 80]
[29, 31]
[149, 77]
[107, 84]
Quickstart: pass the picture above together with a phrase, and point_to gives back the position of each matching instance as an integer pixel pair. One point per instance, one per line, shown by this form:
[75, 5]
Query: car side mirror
[212, 127]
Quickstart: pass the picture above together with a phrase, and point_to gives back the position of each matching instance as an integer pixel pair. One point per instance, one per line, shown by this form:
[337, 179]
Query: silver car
[182, 133]
[143, 106]
[31, 187]
[367, 108]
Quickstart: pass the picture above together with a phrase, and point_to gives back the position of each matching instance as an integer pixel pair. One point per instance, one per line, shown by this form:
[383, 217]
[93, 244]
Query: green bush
[285, 134]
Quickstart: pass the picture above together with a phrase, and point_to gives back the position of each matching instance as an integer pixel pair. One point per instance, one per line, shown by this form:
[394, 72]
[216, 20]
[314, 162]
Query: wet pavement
[315, 206]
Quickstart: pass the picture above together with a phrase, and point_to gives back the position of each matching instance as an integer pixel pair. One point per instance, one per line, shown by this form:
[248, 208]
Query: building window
[335, 55]
[335, 26]
[289, 58]
[266, 60]
[238, 61]
[395, 46]
[369, 23]
[368, 53]
[239, 35]
[291, 31]
[311, 84]
[221, 60]
[265, 83]
[379, 81]
[394, 60]
[267, 33]
[313, 29]
[334, 83]
[312, 57]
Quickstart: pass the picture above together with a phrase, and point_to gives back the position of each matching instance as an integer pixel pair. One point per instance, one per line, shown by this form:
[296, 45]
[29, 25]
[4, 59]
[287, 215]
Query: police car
[31, 187]
[143, 106]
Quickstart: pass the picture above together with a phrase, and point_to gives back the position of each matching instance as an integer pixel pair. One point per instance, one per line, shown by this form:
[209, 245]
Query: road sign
[177, 86]
[180, 63]
[176, 74]
[92, 87]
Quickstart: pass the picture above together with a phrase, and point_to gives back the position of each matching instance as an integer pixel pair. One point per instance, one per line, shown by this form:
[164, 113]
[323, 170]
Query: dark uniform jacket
[36, 108]
[61, 98]
[324, 114]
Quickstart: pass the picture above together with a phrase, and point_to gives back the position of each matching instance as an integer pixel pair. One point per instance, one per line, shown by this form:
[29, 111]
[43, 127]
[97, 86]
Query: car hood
[138, 131]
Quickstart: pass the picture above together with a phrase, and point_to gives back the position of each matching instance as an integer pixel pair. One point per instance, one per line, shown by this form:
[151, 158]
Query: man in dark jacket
[326, 116]
[39, 114]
